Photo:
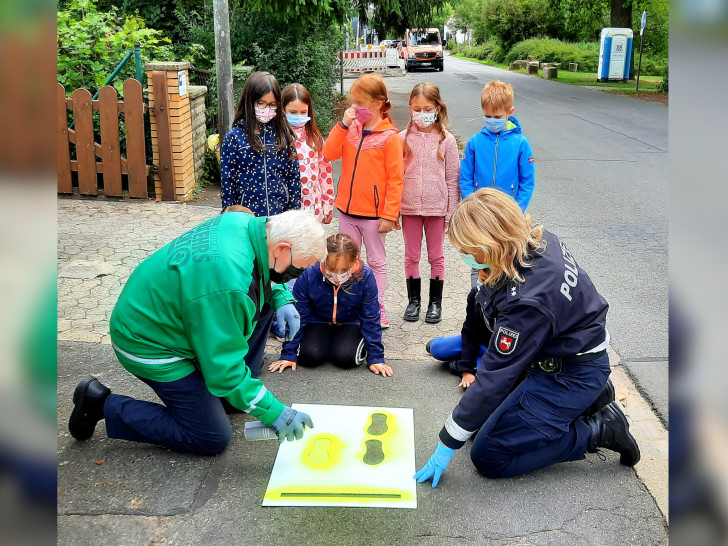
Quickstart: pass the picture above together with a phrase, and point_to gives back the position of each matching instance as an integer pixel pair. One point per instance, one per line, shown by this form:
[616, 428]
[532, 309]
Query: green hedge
[550, 50]
[488, 51]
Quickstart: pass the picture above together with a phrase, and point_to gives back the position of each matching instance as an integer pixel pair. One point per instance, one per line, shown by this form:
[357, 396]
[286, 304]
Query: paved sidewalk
[117, 492]
[122, 234]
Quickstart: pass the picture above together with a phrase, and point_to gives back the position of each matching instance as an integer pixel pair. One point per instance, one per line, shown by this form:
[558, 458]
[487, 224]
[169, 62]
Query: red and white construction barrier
[356, 62]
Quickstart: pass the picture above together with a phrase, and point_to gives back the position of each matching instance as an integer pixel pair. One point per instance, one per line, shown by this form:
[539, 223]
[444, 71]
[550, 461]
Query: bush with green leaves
[92, 43]
[487, 51]
[550, 50]
[306, 57]
[663, 87]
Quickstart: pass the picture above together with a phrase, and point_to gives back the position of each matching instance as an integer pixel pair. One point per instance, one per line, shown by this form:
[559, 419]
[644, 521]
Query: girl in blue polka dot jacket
[258, 163]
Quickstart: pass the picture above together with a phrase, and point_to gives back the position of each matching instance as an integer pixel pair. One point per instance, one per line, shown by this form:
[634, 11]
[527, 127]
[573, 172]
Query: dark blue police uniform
[552, 329]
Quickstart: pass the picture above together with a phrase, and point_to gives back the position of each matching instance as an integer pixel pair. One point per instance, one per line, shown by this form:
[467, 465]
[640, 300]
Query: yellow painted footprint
[322, 451]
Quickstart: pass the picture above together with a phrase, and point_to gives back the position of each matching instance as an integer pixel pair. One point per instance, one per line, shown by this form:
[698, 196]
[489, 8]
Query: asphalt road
[601, 185]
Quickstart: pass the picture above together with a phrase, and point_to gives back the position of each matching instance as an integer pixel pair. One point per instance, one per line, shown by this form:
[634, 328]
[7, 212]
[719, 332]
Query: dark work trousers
[191, 419]
[335, 343]
[539, 423]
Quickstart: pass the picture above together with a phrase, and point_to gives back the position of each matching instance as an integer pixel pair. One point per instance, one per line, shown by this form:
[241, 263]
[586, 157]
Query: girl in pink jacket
[317, 186]
[431, 193]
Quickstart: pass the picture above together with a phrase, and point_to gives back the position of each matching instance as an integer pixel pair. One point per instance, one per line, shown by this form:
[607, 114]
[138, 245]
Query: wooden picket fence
[112, 165]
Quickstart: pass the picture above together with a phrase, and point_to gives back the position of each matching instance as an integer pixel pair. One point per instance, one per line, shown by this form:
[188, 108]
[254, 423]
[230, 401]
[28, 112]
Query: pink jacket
[431, 186]
[317, 185]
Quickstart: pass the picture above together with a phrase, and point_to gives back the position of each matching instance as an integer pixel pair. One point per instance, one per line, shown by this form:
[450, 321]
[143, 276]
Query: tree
[394, 16]
[301, 13]
[621, 17]
[469, 17]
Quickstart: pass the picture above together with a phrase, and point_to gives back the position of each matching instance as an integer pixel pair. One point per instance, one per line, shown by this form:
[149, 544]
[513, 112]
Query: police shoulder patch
[506, 340]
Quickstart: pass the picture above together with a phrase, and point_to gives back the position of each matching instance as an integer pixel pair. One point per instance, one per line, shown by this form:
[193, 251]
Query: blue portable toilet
[615, 54]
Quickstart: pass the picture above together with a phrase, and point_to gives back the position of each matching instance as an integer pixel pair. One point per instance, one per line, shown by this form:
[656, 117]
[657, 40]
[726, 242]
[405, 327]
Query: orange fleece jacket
[372, 169]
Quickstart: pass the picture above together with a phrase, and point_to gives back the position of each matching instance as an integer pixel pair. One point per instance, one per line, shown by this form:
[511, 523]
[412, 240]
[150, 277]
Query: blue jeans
[448, 348]
[191, 419]
[540, 423]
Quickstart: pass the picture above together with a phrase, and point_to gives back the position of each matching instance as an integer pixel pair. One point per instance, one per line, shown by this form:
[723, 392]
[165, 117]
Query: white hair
[300, 228]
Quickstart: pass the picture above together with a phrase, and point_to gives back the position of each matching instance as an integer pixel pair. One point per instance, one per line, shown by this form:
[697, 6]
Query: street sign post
[642, 33]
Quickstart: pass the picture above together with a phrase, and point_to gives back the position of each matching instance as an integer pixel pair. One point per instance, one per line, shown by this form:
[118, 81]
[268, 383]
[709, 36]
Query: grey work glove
[291, 424]
[288, 314]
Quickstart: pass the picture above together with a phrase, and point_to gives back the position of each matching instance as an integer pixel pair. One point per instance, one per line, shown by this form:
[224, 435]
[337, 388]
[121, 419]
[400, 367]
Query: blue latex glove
[436, 465]
[288, 314]
[291, 424]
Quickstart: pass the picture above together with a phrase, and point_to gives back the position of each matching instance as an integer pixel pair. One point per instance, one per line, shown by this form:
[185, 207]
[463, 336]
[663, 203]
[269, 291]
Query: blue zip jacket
[499, 160]
[267, 183]
[357, 303]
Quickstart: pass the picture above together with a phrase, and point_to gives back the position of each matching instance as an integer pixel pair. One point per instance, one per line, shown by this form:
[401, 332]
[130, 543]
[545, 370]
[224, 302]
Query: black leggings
[337, 344]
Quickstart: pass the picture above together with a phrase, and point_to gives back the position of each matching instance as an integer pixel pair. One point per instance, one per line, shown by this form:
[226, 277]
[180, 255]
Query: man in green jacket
[192, 323]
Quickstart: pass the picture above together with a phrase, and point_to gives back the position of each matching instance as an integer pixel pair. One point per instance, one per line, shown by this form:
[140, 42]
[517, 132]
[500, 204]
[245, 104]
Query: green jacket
[194, 303]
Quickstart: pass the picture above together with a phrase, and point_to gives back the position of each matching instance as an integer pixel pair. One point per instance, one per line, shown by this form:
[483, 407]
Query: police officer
[542, 394]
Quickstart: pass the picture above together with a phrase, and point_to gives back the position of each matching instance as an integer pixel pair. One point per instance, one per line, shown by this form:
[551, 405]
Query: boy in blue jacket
[499, 156]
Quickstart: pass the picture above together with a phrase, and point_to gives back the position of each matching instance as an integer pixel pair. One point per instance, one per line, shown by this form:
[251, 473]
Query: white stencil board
[356, 456]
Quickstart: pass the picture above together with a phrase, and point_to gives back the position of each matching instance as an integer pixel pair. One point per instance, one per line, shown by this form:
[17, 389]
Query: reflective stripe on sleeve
[148, 360]
[258, 398]
[601, 347]
[456, 431]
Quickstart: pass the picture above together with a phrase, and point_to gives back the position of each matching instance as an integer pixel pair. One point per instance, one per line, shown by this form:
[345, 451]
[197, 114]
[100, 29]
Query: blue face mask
[495, 125]
[297, 120]
[469, 260]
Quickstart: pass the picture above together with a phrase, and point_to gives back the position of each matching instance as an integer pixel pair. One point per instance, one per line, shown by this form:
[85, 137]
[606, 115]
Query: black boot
[88, 400]
[414, 291]
[434, 309]
[604, 398]
[610, 430]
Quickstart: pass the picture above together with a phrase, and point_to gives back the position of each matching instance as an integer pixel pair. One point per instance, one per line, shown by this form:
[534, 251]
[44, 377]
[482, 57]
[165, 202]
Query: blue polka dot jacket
[267, 183]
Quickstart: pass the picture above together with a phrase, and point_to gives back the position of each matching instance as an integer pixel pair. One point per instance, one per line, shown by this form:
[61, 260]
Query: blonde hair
[372, 87]
[491, 222]
[497, 94]
[431, 93]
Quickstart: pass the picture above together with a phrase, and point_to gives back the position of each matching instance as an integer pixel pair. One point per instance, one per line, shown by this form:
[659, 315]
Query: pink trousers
[365, 230]
[434, 227]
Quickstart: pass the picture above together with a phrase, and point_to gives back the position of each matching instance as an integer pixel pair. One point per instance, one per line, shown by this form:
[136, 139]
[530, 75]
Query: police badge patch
[505, 341]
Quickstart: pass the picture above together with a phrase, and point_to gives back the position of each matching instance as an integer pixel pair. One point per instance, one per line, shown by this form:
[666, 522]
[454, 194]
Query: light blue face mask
[495, 125]
[469, 260]
[297, 120]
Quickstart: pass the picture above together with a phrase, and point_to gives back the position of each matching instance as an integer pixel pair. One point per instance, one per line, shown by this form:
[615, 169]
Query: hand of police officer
[436, 465]
[280, 365]
[288, 314]
[291, 424]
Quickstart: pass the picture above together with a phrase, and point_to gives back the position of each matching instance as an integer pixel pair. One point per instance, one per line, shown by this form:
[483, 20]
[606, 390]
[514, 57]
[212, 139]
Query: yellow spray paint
[335, 494]
[323, 452]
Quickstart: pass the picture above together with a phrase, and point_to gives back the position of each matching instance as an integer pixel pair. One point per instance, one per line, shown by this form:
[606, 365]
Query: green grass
[648, 84]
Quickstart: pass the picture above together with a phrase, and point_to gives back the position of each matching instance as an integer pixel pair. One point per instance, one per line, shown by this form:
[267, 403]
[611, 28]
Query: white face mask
[424, 119]
[337, 278]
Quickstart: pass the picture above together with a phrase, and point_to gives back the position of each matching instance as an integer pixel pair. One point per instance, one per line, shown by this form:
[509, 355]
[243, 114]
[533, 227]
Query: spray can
[255, 430]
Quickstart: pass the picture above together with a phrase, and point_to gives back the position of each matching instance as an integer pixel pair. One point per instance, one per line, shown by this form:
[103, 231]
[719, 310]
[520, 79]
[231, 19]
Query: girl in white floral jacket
[317, 187]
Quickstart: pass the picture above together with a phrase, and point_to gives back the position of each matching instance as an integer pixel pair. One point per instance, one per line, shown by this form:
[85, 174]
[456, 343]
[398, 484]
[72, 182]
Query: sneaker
[383, 320]
[361, 353]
